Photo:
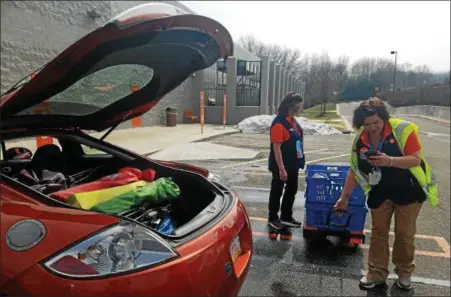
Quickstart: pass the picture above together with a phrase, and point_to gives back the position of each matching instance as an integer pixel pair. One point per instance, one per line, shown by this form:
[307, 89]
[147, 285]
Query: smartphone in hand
[370, 154]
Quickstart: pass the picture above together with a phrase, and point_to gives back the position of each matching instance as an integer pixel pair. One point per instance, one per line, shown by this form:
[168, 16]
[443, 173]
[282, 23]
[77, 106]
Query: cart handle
[344, 226]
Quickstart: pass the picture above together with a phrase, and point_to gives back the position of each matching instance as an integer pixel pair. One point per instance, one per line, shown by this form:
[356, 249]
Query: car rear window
[95, 91]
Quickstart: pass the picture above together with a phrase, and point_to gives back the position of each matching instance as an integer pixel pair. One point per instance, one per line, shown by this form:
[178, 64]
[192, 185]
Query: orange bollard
[136, 122]
[43, 108]
[224, 114]
[202, 115]
[43, 140]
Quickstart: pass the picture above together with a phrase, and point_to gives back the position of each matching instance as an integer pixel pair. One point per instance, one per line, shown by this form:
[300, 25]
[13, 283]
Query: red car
[120, 71]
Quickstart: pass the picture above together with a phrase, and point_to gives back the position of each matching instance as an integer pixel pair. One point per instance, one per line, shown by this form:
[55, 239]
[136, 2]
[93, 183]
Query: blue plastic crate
[324, 184]
[329, 167]
[316, 215]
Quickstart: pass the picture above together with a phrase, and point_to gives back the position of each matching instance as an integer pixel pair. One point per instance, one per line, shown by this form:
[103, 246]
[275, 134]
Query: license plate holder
[235, 248]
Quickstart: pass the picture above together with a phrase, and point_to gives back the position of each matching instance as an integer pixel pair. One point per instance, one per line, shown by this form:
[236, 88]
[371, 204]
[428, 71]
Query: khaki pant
[403, 248]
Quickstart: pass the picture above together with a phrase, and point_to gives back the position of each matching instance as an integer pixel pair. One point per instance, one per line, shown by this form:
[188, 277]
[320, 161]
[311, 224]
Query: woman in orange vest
[286, 157]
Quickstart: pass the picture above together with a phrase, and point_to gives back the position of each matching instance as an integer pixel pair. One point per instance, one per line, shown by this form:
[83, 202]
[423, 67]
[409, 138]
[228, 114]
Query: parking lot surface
[284, 265]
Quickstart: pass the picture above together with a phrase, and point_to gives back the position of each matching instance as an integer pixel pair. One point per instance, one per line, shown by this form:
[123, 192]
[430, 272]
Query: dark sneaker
[291, 222]
[370, 284]
[405, 284]
[276, 224]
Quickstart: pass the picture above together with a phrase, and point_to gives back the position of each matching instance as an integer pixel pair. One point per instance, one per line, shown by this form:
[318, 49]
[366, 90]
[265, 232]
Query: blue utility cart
[324, 184]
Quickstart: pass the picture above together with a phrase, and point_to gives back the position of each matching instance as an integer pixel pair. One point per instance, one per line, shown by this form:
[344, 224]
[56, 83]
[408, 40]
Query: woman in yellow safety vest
[387, 161]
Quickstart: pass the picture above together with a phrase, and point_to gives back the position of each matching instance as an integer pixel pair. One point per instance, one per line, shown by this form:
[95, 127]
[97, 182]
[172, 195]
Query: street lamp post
[394, 71]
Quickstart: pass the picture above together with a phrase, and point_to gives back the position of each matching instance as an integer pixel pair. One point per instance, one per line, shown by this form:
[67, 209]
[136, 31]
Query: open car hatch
[118, 71]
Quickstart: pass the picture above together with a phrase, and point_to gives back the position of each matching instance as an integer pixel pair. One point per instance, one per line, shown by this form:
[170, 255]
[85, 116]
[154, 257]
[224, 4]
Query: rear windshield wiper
[21, 82]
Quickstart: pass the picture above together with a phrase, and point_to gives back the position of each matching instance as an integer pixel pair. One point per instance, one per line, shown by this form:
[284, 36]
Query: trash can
[171, 117]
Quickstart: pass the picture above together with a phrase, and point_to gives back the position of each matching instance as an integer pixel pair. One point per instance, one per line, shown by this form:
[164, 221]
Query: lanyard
[381, 141]
[295, 128]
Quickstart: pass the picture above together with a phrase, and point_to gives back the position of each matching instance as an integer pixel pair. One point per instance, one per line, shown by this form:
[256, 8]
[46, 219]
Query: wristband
[391, 162]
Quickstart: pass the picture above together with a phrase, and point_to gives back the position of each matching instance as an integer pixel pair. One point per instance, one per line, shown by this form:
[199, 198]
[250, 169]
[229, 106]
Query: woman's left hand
[381, 160]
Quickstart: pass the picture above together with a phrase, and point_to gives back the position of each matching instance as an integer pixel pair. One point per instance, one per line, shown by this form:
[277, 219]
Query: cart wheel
[312, 235]
[354, 243]
[308, 234]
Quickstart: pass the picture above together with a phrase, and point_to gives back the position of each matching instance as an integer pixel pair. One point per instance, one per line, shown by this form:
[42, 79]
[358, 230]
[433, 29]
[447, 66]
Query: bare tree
[286, 57]
[340, 72]
[424, 74]
[325, 71]
[251, 44]
[322, 76]
[363, 68]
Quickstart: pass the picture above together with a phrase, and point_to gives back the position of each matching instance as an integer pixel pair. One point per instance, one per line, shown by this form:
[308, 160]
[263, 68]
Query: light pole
[394, 71]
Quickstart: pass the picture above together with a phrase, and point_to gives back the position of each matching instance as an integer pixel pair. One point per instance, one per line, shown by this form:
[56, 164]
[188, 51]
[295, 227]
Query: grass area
[317, 108]
[331, 117]
[338, 125]
[316, 116]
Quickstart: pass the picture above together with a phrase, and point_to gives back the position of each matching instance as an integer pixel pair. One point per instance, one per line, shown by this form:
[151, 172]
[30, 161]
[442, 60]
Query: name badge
[374, 177]
[299, 149]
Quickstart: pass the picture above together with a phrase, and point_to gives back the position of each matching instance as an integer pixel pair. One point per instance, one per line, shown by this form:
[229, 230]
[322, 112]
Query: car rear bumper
[205, 268]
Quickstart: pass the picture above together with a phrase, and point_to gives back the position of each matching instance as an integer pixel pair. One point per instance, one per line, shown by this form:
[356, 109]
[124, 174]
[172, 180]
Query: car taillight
[122, 248]
[72, 266]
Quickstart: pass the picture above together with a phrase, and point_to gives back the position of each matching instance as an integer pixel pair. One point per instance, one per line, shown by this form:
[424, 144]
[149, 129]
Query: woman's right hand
[341, 203]
[283, 174]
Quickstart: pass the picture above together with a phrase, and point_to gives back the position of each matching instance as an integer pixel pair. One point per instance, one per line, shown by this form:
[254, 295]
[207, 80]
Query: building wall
[35, 32]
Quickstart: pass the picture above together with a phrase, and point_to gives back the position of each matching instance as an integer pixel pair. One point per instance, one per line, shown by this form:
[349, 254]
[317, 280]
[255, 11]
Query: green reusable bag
[157, 192]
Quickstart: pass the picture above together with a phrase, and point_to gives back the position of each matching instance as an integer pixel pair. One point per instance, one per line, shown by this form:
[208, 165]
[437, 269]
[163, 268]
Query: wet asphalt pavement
[285, 265]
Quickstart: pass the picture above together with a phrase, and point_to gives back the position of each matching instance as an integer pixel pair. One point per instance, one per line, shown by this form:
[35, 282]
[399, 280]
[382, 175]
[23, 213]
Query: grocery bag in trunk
[87, 200]
[123, 177]
[156, 193]
[166, 226]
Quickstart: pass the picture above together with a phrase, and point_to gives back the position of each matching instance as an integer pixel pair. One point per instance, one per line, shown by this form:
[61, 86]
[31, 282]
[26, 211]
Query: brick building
[34, 32]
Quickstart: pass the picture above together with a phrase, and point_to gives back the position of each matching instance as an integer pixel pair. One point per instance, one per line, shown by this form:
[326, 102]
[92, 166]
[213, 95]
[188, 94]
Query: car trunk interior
[195, 194]
[198, 203]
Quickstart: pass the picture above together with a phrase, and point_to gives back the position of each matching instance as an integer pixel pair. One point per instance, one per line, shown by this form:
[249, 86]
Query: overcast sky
[418, 30]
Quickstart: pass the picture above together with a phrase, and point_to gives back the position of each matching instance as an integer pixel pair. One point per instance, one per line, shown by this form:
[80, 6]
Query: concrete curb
[216, 136]
[347, 124]
[197, 140]
[439, 121]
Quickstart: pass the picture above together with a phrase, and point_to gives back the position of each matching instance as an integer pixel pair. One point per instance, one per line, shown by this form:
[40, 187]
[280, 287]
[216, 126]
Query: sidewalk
[148, 140]
[347, 120]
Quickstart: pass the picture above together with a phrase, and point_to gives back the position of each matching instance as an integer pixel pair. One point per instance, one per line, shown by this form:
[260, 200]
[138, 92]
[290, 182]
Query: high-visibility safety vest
[401, 131]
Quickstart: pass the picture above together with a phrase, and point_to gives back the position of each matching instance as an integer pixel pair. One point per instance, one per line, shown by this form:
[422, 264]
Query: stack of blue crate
[324, 184]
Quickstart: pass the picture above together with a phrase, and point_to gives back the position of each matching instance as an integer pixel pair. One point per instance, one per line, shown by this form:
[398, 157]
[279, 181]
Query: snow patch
[262, 124]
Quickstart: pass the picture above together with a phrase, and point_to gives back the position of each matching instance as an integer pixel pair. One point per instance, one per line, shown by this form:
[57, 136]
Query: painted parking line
[265, 159]
[441, 241]
[438, 138]
[252, 188]
[268, 173]
[253, 173]
[262, 159]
